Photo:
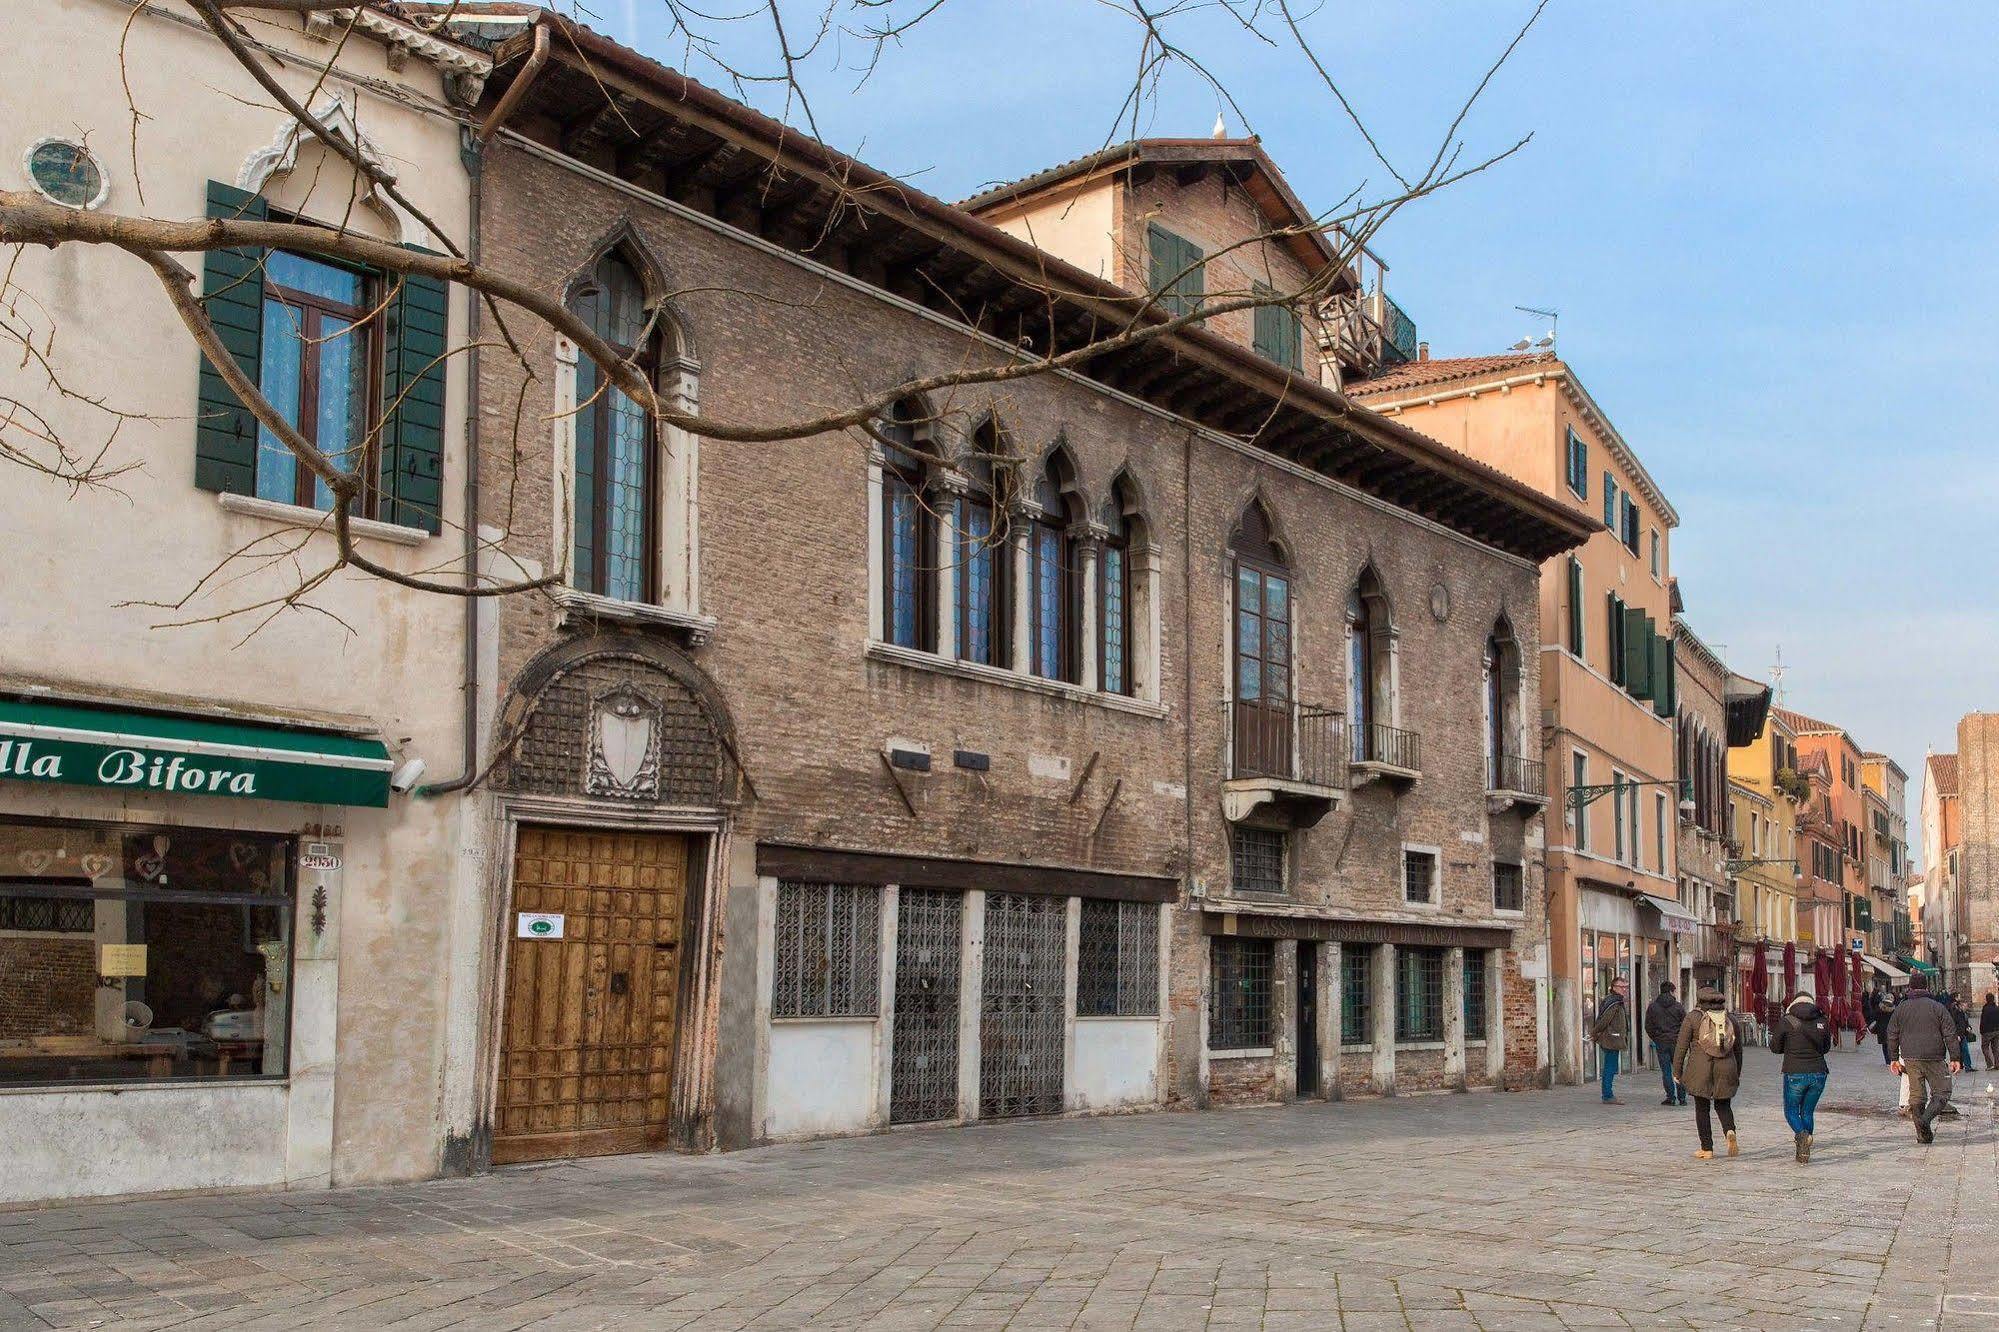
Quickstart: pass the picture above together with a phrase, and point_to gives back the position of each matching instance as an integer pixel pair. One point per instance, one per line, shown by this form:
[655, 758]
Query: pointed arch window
[1370, 698]
[1502, 708]
[983, 569]
[1262, 646]
[617, 450]
[1054, 601]
[909, 534]
[1114, 598]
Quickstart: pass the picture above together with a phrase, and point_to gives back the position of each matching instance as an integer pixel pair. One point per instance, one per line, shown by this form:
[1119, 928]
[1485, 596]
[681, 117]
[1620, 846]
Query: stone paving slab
[1537, 1210]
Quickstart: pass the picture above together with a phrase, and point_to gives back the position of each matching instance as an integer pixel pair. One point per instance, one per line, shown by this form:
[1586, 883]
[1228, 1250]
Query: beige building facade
[225, 941]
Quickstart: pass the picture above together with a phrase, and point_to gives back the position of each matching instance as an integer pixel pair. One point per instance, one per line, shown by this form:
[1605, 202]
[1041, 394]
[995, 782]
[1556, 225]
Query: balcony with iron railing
[1516, 780]
[1386, 753]
[1286, 755]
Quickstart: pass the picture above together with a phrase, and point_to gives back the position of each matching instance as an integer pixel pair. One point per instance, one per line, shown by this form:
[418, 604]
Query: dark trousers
[1881, 1039]
[1722, 1107]
[1929, 1088]
[1674, 1092]
[1991, 1044]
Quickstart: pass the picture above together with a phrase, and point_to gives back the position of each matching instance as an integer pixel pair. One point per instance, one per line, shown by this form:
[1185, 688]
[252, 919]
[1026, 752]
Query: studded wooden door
[586, 1054]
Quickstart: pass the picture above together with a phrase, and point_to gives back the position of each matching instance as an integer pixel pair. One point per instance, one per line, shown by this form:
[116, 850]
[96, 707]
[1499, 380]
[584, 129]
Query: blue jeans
[1801, 1098]
[1665, 1055]
[1608, 1060]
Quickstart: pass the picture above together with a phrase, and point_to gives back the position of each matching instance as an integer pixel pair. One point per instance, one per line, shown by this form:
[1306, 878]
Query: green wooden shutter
[1614, 623]
[1665, 678]
[1638, 653]
[1575, 606]
[232, 292]
[412, 454]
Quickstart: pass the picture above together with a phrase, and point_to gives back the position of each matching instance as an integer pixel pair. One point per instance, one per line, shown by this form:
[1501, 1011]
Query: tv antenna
[1777, 673]
[1544, 344]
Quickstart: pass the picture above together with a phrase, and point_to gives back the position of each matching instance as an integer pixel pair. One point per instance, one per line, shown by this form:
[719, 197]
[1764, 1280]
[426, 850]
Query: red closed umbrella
[1790, 972]
[1859, 987]
[1759, 980]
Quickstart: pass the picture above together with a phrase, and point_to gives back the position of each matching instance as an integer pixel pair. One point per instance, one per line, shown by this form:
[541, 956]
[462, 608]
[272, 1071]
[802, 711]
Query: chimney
[1422, 351]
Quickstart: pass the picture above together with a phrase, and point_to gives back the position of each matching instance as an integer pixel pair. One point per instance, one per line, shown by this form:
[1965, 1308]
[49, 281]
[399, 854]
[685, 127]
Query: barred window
[1356, 994]
[1419, 877]
[1257, 861]
[1475, 982]
[48, 915]
[1239, 1009]
[1117, 960]
[828, 950]
[1509, 887]
[1419, 994]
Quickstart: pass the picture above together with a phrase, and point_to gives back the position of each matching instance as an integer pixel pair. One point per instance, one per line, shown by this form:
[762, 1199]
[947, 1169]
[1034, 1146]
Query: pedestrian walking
[1707, 1059]
[1663, 1017]
[1962, 1021]
[1921, 1039]
[1988, 1030]
[1883, 1010]
[1610, 1031]
[1803, 1038]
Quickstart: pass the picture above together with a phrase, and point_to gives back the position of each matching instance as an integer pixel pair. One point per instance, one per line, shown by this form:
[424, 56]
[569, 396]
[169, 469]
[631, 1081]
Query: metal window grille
[53, 915]
[1509, 887]
[923, 1065]
[1257, 861]
[1475, 982]
[1239, 1016]
[1419, 876]
[1356, 994]
[1117, 960]
[827, 950]
[1419, 994]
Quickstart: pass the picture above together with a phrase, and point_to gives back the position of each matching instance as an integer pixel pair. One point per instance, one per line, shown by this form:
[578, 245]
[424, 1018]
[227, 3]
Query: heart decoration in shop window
[244, 854]
[150, 867]
[36, 860]
[95, 864]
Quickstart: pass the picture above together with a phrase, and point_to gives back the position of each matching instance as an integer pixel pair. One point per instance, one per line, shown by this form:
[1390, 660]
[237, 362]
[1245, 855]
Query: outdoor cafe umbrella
[1759, 979]
[1859, 987]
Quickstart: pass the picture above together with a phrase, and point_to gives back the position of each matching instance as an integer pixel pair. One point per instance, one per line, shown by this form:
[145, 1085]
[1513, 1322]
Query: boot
[1805, 1150]
[1733, 1150]
[1703, 1155]
[1798, 1144]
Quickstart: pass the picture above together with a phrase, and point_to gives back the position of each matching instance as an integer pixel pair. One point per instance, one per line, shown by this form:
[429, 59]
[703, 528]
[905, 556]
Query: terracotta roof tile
[1800, 723]
[1943, 772]
[1422, 374]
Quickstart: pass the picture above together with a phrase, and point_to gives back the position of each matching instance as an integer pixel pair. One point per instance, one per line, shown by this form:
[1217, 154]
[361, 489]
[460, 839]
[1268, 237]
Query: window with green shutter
[355, 364]
[1610, 502]
[1280, 334]
[1175, 272]
[1666, 675]
[1617, 639]
[1576, 607]
[1639, 653]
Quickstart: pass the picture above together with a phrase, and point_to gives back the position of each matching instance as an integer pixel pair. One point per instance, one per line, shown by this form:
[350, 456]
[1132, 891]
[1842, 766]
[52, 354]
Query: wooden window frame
[646, 360]
[366, 318]
[1123, 657]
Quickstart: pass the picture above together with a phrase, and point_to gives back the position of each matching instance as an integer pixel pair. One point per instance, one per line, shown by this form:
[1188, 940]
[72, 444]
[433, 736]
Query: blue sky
[1769, 231]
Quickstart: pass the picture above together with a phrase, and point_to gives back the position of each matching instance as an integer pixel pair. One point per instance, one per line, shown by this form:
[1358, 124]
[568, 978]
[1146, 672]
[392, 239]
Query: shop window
[828, 948]
[142, 954]
[1419, 994]
[1239, 1013]
[1509, 887]
[1419, 876]
[1356, 994]
[1257, 861]
[1117, 960]
[1475, 983]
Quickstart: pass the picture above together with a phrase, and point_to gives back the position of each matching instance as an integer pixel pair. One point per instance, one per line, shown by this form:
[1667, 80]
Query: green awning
[1917, 964]
[86, 746]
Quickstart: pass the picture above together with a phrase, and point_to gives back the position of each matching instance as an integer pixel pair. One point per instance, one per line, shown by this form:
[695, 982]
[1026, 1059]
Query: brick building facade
[929, 772]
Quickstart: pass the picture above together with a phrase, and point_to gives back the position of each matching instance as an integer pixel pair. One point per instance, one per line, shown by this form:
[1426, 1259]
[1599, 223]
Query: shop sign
[539, 925]
[79, 746]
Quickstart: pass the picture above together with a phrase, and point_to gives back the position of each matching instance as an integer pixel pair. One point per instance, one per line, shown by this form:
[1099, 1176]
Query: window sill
[790, 1019]
[579, 605]
[282, 1080]
[298, 515]
[1253, 1052]
[1033, 684]
[1400, 1046]
[1117, 1017]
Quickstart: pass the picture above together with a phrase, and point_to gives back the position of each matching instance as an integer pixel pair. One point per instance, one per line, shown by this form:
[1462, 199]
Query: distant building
[1977, 959]
[1943, 925]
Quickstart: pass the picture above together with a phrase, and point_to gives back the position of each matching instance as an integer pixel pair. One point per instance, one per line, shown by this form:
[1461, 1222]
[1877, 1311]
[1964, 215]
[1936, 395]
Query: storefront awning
[1888, 969]
[1927, 968]
[1673, 917]
[137, 751]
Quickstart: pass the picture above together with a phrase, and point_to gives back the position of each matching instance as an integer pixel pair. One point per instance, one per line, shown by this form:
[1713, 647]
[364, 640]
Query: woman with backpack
[1803, 1038]
[1707, 1060]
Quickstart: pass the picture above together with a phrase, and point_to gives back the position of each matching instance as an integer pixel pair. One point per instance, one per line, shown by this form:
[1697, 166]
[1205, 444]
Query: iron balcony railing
[1293, 742]
[1377, 742]
[1514, 772]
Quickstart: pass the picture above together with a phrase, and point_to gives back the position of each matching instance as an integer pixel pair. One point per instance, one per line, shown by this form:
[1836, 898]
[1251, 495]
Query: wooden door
[586, 1050]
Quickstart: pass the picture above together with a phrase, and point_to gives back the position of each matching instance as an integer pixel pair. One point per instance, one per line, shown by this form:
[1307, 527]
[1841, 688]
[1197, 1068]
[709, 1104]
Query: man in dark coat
[1663, 1017]
[1922, 1042]
[1988, 1030]
[1608, 1032]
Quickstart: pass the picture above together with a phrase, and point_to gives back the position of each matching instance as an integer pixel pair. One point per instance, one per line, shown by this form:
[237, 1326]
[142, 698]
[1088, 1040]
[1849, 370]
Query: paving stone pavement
[1492, 1211]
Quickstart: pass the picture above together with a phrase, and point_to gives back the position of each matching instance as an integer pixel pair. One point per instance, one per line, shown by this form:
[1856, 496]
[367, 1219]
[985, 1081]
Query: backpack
[1716, 1036]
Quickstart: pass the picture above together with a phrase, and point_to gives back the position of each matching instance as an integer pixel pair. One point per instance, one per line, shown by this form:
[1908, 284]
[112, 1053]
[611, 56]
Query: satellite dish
[137, 1017]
